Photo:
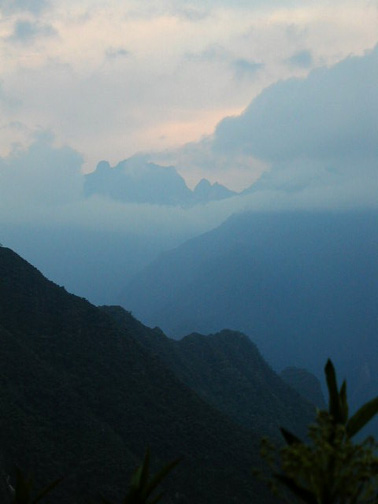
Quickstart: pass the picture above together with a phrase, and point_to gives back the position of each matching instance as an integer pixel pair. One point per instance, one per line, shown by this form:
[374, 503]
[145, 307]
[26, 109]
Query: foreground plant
[23, 492]
[330, 468]
[143, 487]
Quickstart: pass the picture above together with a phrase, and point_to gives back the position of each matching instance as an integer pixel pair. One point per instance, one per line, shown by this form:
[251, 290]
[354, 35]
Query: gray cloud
[112, 53]
[33, 6]
[245, 68]
[213, 53]
[330, 114]
[216, 53]
[302, 59]
[314, 140]
[43, 185]
[41, 175]
[319, 135]
[26, 31]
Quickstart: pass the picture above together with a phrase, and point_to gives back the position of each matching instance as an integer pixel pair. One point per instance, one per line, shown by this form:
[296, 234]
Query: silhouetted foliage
[24, 492]
[329, 468]
[142, 486]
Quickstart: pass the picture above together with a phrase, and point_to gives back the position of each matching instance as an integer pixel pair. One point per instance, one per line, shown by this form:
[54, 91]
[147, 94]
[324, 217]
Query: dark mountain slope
[306, 384]
[302, 285]
[227, 370]
[82, 398]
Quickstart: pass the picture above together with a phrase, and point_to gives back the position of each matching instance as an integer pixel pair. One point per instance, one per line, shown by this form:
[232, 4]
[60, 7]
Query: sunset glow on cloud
[111, 79]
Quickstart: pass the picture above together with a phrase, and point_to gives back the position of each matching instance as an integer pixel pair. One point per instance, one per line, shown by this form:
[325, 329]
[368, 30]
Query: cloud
[40, 176]
[116, 52]
[244, 68]
[315, 136]
[302, 59]
[318, 134]
[26, 31]
[33, 6]
[330, 114]
[42, 186]
[212, 53]
[109, 104]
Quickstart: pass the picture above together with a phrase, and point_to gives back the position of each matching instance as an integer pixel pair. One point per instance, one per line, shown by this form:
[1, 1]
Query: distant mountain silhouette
[302, 285]
[135, 180]
[83, 394]
[205, 191]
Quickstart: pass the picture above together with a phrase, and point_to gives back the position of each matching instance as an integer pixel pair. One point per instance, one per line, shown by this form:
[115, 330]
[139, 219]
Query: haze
[276, 99]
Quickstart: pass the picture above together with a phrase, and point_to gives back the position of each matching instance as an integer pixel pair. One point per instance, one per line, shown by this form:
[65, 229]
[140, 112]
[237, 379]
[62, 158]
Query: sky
[110, 79]
[278, 96]
[282, 94]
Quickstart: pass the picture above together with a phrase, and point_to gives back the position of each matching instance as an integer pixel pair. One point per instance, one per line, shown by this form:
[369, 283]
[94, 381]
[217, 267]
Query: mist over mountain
[135, 180]
[302, 285]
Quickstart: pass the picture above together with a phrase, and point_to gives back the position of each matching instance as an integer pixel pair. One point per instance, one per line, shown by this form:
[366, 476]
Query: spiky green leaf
[46, 490]
[334, 406]
[289, 437]
[158, 477]
[302, 493]
[145, 471]
[362, 417]
[344, 409]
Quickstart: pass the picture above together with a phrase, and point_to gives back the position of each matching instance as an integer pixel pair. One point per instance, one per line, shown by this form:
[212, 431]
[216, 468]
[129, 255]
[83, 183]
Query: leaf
[362, 417]
[104, 501]
[344, 409]
[144, 471]
[332, 390]
[46, 490]
[303, 494]
[22, 488]
[158, 477]
[157, 498]
[289, 437]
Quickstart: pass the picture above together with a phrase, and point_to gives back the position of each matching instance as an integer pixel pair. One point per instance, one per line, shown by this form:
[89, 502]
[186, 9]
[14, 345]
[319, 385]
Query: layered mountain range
[302, 285]
[84, 391]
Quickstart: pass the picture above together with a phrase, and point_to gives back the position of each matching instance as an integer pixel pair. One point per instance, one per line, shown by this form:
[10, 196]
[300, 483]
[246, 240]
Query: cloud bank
[114, 78]
[312, 142]
[315, 133]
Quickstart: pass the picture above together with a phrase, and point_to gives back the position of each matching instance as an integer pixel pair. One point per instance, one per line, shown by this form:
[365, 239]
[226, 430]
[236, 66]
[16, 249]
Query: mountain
[205, 191]
[226, 370]
[302, 285]
[306, 384]
[82, 397]
[87, 261]
[135, 180]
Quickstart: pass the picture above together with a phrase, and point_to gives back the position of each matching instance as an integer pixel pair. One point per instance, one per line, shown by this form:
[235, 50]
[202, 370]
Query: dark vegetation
[84, 390]
[227, 370]
[329, 468]
[81, 398]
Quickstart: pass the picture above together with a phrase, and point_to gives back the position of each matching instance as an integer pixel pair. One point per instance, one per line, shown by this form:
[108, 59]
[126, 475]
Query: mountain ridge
[302, 285]
[80, 397]
[136, 180]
